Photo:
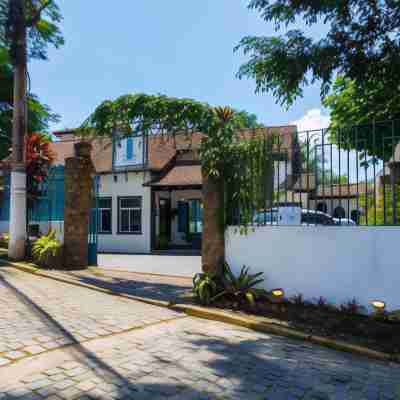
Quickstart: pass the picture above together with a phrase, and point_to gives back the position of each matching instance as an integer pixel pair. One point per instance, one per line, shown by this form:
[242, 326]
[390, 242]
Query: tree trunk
[213, 251]
[18, 172]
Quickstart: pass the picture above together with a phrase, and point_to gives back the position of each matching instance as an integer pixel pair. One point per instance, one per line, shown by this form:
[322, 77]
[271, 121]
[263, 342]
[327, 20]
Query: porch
[177, 210]
[177, 220]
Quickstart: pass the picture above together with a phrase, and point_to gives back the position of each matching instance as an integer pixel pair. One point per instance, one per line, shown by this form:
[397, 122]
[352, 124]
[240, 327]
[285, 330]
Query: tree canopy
[156, 115]
[42, 20]
[361, 44]
[370, 112]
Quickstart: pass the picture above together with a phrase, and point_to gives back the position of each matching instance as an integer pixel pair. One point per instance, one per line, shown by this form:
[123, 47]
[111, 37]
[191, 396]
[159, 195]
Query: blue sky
[181, 48]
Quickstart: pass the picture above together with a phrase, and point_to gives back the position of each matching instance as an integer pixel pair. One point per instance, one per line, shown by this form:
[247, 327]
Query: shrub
[324, 304]
[205, 288]
[46, 250]
[298, 300]
[352, 307]
[241, 288]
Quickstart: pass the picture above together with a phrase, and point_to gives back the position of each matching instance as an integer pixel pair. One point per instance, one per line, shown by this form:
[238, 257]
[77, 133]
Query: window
[195, 216]
[105, 215]
[130, 151]
[130, 215]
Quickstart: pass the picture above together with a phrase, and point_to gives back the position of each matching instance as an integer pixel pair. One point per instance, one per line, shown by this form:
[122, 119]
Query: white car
[308, 218]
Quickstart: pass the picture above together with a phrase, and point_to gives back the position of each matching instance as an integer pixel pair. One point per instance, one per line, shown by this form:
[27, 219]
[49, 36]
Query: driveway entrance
[179, 265]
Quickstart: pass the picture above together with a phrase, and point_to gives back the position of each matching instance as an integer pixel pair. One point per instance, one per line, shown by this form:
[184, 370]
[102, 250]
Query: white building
[150, 189]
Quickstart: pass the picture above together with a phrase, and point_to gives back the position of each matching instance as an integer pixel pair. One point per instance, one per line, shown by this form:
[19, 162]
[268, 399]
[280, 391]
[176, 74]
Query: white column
[16, 248]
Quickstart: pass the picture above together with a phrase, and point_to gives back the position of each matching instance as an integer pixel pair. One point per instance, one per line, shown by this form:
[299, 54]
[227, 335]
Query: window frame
[99, 209]
[119, 199]
[190, 220]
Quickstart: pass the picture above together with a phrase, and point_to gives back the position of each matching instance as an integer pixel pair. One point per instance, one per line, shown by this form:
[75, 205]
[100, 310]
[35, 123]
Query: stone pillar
[78, 203]
[213, 243]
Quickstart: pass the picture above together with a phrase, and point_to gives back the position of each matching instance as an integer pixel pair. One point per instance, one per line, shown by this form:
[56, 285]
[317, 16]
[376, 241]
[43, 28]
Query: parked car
[308, 217]
[266, 217]
[344, 221]
[312, 218]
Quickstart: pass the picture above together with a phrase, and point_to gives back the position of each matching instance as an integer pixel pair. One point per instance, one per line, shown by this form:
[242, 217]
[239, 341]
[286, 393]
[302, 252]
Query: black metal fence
[348, 176]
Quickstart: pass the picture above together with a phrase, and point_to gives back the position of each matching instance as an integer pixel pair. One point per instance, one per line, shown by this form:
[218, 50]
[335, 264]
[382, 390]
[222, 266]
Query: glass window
[105, 215]
[195, 216]
[130, 215]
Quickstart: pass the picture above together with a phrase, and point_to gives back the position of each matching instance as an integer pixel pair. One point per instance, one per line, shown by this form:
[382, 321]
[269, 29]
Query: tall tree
[39, 115]
[362, 43]
[26, 29]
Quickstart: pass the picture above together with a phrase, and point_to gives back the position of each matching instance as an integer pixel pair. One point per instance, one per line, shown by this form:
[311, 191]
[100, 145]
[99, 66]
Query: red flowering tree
[39, 158]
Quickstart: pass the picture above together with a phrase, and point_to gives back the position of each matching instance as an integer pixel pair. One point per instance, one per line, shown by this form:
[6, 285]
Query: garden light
[278, 293]
[378, 305]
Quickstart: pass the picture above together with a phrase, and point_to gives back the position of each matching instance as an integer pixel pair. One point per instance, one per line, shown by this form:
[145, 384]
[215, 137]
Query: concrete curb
[223, 316]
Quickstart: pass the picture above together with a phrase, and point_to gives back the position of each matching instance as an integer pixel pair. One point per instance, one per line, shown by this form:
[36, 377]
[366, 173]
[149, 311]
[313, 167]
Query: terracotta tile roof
[344, 190]
[162, 149]
[181, 175]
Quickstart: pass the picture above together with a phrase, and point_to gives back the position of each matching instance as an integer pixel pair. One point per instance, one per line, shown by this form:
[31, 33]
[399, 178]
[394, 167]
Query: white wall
[130, 184]
[338, 263]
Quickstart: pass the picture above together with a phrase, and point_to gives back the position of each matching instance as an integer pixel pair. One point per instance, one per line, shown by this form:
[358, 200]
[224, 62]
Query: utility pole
[18, 27]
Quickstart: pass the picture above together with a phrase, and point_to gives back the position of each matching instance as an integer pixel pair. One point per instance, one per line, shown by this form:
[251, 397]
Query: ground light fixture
[378, 305]
[278, 293]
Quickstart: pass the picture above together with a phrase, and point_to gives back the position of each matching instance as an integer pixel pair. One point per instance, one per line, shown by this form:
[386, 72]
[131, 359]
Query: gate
[93, 225]
[46, 212]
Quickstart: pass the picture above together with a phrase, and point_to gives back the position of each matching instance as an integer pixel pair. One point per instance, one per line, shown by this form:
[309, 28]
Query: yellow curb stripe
[221, 316]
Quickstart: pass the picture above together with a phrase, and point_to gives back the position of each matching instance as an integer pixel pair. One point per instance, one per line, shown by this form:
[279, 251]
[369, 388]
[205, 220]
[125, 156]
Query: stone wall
[78, 203]
[213, 245]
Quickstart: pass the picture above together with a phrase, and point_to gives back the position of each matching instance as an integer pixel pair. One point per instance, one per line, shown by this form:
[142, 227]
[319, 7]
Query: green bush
[241, 289]
[46, 251]
[205, 288]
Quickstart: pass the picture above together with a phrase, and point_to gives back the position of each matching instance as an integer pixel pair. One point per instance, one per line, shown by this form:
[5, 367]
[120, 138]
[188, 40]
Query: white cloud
[313, 119]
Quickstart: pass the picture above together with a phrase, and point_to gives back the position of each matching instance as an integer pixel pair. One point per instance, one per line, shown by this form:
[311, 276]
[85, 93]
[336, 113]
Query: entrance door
[165, 222]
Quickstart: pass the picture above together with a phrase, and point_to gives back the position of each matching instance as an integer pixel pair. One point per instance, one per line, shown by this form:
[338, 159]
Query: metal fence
[348, 176]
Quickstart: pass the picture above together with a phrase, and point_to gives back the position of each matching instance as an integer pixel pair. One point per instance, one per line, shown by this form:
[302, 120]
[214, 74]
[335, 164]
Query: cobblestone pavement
[174, 358]
[154, 287]
[37, 315]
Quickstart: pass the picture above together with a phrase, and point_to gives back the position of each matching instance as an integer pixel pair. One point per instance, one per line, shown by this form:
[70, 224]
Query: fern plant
[241, 288]
[46, 248]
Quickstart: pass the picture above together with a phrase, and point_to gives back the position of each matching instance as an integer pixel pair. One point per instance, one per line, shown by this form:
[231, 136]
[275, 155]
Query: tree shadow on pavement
[281, 368]
[124, 384]
[147, 289]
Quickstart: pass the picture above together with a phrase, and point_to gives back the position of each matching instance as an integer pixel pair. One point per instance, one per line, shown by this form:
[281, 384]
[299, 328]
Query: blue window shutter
[129, 148]
[183, 213]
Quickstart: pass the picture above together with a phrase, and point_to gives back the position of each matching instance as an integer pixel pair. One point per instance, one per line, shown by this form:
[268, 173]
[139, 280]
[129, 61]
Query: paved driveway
[156, 264]
[90, 345]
